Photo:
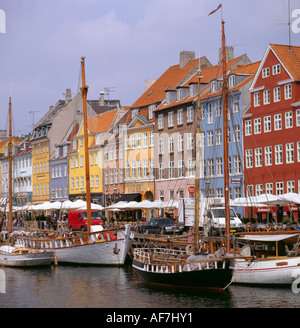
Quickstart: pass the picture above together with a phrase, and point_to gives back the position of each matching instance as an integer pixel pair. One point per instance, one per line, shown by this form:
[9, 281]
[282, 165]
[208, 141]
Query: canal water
[116, 288]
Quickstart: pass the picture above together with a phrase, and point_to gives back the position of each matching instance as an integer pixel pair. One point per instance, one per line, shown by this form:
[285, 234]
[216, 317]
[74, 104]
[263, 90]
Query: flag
[219, 6]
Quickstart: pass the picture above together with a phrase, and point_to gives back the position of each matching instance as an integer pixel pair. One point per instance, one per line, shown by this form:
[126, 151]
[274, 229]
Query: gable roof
[289, 57]
[167, 81]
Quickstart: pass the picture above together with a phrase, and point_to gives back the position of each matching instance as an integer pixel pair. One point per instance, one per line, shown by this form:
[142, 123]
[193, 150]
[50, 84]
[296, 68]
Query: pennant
[219, 6]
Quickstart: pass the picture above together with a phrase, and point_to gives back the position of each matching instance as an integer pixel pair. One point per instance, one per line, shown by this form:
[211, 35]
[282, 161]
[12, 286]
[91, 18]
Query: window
[218, 108]
[145, 139]
[151, 139]
[218, 136]
[276, 69]
[97, 181]
[278, 154]
[288, 120]
[191, 167]
[151, 109]
[161, 171]
[171, 170]
[81, 182]
[72, 183]
[248, 128]
[139, 169]
[210, 138]
[209, 114]
[268, 155]
[77, 182]
[219, 166]
[237, 164]
[288, 91]
[92, 181]
[160, 121]
[213, 86]
[249, 158]
[181, 168]
[237, 133]
[256, 99]
[171, 144]
[238, 192]
[219, 192]
[277, 122]
[231, 81]
[298, 117]
[236, 107]
[180, 116]
[276, 92]
[160, 146]
[250, 190]
[170, 119]
[127, 171]
[298, 151]
[133, 176]
[190, 141]
[265, 72]
[267, 123]
[290, 186]
[210, 164]
[279, 188]
[257, 126]
[258, 189]
[189, 114]
[269, 188]
[138, 140]
[289, 148]
[106, 178]
[180, 142]
[266, 97]
[145, 168]
[133, 141]
[258, 157]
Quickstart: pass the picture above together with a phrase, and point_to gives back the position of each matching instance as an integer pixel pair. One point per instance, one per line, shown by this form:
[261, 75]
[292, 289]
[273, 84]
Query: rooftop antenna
[108, 90]
[32, 112]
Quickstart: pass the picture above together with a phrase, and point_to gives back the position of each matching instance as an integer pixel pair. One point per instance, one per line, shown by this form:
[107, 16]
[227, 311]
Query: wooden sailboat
[10, 254]
[94, 247]
[191, 269]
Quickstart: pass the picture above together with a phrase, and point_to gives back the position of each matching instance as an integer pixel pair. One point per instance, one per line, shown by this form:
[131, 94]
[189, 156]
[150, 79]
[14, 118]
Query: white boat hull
[93, 252]
[26, 260]
[266, 271]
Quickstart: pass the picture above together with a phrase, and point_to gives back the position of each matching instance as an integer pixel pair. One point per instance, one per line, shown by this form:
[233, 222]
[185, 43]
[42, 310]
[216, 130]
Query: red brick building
[272, 127]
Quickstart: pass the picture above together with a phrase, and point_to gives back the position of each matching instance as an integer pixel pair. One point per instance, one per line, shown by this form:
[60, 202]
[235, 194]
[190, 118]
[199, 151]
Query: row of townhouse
[148, 151]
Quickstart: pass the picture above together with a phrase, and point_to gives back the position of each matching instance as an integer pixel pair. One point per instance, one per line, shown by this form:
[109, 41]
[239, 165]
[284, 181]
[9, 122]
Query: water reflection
[101, 287]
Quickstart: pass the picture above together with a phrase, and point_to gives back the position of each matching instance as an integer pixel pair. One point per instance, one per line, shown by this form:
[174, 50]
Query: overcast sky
[124, 42]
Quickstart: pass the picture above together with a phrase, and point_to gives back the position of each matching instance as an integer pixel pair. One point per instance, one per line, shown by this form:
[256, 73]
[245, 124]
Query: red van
[77, 220]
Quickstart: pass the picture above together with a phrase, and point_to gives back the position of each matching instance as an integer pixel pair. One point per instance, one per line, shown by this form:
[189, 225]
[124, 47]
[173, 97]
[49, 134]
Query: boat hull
[27, 260]
[266, 271]
[91, 252]
[217, 279]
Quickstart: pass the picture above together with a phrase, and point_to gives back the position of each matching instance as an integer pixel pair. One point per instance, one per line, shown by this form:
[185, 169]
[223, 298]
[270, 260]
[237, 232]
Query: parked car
[77, 220]
[162, 225]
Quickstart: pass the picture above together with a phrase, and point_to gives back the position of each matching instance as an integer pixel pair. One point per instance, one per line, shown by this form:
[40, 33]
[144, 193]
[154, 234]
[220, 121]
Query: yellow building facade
[40, 171]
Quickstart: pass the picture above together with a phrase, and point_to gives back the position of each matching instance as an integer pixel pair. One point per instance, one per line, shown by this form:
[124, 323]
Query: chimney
[101, 100]
[3, 135]
[68, 95]
[148, 83]
[185, 57]
[229, 54]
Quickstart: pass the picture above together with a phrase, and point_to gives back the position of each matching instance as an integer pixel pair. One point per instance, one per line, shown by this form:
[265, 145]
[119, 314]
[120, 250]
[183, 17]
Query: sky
[124, 42]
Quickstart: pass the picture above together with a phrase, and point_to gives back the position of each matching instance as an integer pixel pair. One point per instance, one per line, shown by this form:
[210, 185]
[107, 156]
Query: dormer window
[213, 86]
[179, 94]
[193, 90]
[231, 81]
[116, 129]
[151, 109]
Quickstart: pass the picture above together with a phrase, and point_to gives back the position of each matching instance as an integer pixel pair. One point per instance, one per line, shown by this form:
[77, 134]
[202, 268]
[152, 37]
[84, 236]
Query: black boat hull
[218, 278]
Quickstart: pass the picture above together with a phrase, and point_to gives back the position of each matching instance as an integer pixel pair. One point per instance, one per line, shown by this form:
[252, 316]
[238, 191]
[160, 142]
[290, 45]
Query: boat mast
[84, 91]
[197, 171]
[10, 168]
[225, 134]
